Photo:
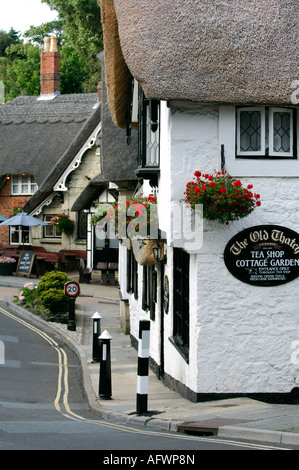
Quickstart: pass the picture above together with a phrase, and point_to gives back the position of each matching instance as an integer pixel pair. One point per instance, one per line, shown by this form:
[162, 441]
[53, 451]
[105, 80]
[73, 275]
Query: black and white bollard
[105, 389]
[96, 328]
[143, 363]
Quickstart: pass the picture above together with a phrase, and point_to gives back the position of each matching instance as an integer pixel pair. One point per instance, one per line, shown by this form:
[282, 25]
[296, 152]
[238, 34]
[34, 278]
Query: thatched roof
[94, 188]
[238, 51]
[118, 159]
[118, 76]
[42, 137]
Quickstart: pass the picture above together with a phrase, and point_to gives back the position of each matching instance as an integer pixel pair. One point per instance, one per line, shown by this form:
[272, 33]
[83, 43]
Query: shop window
[181, 302]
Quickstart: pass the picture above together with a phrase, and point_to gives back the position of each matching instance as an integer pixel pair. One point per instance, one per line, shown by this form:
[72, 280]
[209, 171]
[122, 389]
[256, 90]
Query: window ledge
[182, 350]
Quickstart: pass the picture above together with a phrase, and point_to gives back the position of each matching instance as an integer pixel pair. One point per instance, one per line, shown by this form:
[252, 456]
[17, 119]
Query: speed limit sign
[71, 288]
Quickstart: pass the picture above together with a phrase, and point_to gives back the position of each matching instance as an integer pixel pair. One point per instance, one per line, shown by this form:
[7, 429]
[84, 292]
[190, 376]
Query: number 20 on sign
[72, 289]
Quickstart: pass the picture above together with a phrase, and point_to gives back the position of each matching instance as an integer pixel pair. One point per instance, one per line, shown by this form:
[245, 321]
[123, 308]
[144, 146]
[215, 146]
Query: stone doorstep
[206, 427]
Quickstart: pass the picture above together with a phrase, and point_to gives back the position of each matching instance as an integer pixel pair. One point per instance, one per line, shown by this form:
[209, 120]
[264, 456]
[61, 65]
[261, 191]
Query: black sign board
[264, 255]
[25, 263]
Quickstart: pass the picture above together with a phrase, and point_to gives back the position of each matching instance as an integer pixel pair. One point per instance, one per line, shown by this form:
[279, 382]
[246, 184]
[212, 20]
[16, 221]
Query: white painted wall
[241, 336]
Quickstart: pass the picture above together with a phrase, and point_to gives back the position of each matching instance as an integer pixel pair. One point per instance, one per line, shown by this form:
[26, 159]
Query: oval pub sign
[264, 255]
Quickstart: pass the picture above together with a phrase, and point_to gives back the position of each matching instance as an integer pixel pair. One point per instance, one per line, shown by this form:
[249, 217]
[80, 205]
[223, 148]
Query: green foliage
[79, 34]
[55, 301]
[8, 39]
[53, 280]
[48, 297]
[82, 30]
[22, 71]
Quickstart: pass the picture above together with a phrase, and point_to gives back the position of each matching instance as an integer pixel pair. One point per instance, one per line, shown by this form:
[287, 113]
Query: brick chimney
[49, 69]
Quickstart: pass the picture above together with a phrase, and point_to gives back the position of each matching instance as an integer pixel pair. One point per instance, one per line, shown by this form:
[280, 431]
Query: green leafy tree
[82, 30]
[22, 71]
[8, 39]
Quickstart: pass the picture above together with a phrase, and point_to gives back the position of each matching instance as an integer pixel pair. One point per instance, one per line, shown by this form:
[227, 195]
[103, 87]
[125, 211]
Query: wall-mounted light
[158, 251]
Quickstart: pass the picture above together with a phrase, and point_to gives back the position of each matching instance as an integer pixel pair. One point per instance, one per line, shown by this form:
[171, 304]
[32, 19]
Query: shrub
[49, 295]
[53, 280]
[55, 301]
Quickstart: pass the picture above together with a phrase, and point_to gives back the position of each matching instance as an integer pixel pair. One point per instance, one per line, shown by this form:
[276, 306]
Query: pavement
[241, 418]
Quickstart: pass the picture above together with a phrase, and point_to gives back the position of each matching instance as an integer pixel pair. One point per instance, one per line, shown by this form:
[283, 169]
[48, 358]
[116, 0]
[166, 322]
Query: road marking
[63, 381]
[9, 339]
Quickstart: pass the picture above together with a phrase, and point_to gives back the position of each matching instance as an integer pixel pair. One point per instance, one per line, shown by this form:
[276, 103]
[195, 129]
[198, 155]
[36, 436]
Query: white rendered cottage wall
[241, 336]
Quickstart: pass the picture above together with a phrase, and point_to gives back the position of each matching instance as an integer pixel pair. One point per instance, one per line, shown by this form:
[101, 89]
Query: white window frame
[47, 218]
[272, 152]
[20, 231]
[263, 132]
[18, 181]
[249, 167]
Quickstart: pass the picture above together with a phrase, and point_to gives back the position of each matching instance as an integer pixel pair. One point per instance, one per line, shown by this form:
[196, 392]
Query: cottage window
[259, 140]
[82, 225]
[180, 337]
[19, 235]
[132, 274]
[149, 293]
[23, 185]
[50, 230]
[265, 132]
[148, 138]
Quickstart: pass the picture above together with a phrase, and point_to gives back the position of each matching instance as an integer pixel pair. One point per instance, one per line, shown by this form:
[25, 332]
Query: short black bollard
[143, 363]
[105, 389]
[71, 289]
[95, 338]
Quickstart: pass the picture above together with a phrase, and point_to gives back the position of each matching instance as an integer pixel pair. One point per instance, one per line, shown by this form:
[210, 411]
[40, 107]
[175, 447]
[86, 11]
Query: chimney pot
[53, 44]
[46, 43]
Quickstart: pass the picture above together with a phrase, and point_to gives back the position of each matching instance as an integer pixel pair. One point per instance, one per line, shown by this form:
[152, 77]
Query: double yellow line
[62, 396]
[62, 365]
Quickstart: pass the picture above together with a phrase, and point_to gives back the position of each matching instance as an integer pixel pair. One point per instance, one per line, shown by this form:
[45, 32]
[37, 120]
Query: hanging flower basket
[137, 217]
[7, 266]
[223, 197]
[143, 251]
[63, 223]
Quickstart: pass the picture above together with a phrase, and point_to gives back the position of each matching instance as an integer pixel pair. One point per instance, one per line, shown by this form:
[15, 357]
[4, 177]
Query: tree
[22, 75]
[79, 34]
[8, 39]
[82, 29]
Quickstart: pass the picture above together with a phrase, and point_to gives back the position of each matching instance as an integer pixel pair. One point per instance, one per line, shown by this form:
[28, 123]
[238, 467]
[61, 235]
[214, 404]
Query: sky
[21, 14]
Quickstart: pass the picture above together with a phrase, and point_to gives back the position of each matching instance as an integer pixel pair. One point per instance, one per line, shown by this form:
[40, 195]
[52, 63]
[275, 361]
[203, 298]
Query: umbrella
[22, 218]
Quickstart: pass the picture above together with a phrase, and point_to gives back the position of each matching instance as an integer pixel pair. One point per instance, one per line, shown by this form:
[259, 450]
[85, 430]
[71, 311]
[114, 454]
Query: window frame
[148, 132]
[181, 302]
[272, 153]
[267, 133]
[19, 184]
[47, 218]
[21, 231]
[253, 166]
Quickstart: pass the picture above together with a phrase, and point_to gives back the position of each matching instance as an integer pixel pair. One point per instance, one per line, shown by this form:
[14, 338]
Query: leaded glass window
[265, 132]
